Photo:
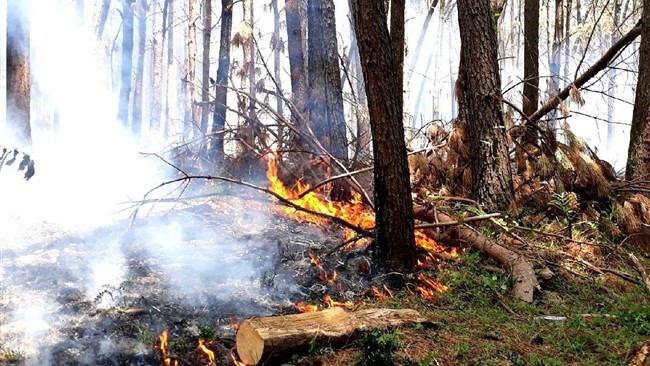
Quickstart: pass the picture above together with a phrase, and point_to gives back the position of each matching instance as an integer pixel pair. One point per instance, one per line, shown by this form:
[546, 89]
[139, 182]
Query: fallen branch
[600, 65]
[639, 268]
[641, 355]
[458, 222]
[521, 269]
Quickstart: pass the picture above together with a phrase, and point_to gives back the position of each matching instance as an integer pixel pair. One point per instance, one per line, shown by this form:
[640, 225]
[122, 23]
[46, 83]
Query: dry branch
[641, 355]
[639, 268]
[600, 65]
[521, 269]
[260, 339]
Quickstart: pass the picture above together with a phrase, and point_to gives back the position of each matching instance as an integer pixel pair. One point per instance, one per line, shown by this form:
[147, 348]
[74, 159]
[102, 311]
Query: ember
[305, 308]
[206, 350]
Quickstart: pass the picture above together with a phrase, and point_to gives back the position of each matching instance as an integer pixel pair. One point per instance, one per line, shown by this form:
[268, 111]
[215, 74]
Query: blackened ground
[102, 296]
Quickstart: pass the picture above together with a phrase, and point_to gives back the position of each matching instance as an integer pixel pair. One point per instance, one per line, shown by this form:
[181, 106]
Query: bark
[554, 67]
[192, 77]
[611, 76]
[295, 41]
[18, 78]
[205, 77]
[640, 356]
[170, 64]
[531, 64]
[479, 85]
[522, 270]
[397, 9]
[136, 117]
[326, 95]
[127, 62]
[638, 161]
[221, 99]
[567, 41]
[277, 46]
[262, 339]
[158, 71]
[103, 16]
[394, 235]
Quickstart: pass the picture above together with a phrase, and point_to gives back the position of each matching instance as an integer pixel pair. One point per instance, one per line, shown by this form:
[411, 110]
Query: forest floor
[103, 296]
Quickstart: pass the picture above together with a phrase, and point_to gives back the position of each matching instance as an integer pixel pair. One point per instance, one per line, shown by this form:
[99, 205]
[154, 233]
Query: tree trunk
[171, 72]
[103, 16]
[611, 76]
[397, 9]
[205, 77]
[18, 80]
[326, 96]
[394, 235]
[531, 65]
[127, 62]
[192, 78]
[221, 99]
[295, 40]
[638, 161]
[479, 82]
[158, 71]
[136, 117]
[554, 84]
[278, 45]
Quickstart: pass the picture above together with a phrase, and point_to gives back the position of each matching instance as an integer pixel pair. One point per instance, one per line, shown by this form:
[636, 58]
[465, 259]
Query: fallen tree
[522, 270]
[261, 339]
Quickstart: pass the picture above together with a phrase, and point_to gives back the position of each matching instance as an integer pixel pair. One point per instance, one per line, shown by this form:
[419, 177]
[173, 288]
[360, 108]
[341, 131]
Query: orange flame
[329, 303]
[164, 348]
[328, 278]
[206, 350]
[382, 296]
[305, 308]
[235, 359]
[429, 288]
[314, 259]
[234, 324]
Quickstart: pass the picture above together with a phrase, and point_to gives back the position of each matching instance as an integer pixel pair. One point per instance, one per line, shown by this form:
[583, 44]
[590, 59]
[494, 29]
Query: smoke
[65, 237]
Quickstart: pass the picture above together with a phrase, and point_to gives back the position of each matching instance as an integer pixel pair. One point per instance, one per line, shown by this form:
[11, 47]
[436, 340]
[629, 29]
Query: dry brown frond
[626, 217]
[564, 109]
[544, 167]
[576, 96]
[457, 145]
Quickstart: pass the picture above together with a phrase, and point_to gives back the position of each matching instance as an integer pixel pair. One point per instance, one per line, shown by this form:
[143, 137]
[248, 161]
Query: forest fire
[328, 302]
[429, 288]
[381, 295]
[235, 359]
[203, 348]
[164, 348]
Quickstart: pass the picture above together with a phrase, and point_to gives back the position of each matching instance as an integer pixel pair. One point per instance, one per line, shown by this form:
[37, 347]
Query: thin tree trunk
[221, 100]
[136, 118]
[205, 79]
[171, 71]
[127, 62]
[554, 85]
[567, 41]
[18, 73]
[158, 70]
[531, 65]
[192, 78]
[295, 45]
[278, 45]
[394, 235]
[611, 76]
[103, 16]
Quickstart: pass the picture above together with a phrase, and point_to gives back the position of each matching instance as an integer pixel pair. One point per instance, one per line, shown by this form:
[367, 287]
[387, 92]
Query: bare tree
[205, 75]
[192, 79]
[136, 111]
[295, 44]
[127, 62]
[103, 16]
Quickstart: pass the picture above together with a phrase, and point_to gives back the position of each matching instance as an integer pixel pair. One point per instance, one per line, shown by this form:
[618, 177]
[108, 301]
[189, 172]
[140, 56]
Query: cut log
[522, 270]
[262, 339]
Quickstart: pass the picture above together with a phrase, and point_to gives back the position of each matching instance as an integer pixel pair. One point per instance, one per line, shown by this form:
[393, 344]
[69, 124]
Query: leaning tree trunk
[479, 83]
[127, 62]
[394, 235]
[136, 117]
[326, 96]
[638, 161]
[205, 76]
[221, 99]
[18, 76]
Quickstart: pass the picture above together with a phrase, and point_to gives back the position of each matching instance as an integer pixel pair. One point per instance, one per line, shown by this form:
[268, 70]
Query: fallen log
[522, 270]
[261, 339]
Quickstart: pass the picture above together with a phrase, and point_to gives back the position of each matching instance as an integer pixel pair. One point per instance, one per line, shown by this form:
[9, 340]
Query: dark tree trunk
[326, 96]
[127, 62]
[18, 73]
[136, 117]
[479, 84]
[221, 99]
[394, 235]
[103, 16]
[638, 161]
[531, 65]
[295, 46]
[205, 77]
[397, 40]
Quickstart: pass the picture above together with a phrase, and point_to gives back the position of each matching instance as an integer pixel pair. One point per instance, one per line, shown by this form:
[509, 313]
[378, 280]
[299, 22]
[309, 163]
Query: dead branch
[641, 355]
[642, 272]
[521, 269]
[458, 222]
[600, 65]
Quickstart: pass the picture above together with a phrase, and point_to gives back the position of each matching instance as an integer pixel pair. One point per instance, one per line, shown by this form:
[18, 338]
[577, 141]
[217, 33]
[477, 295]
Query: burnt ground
[102, 296]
